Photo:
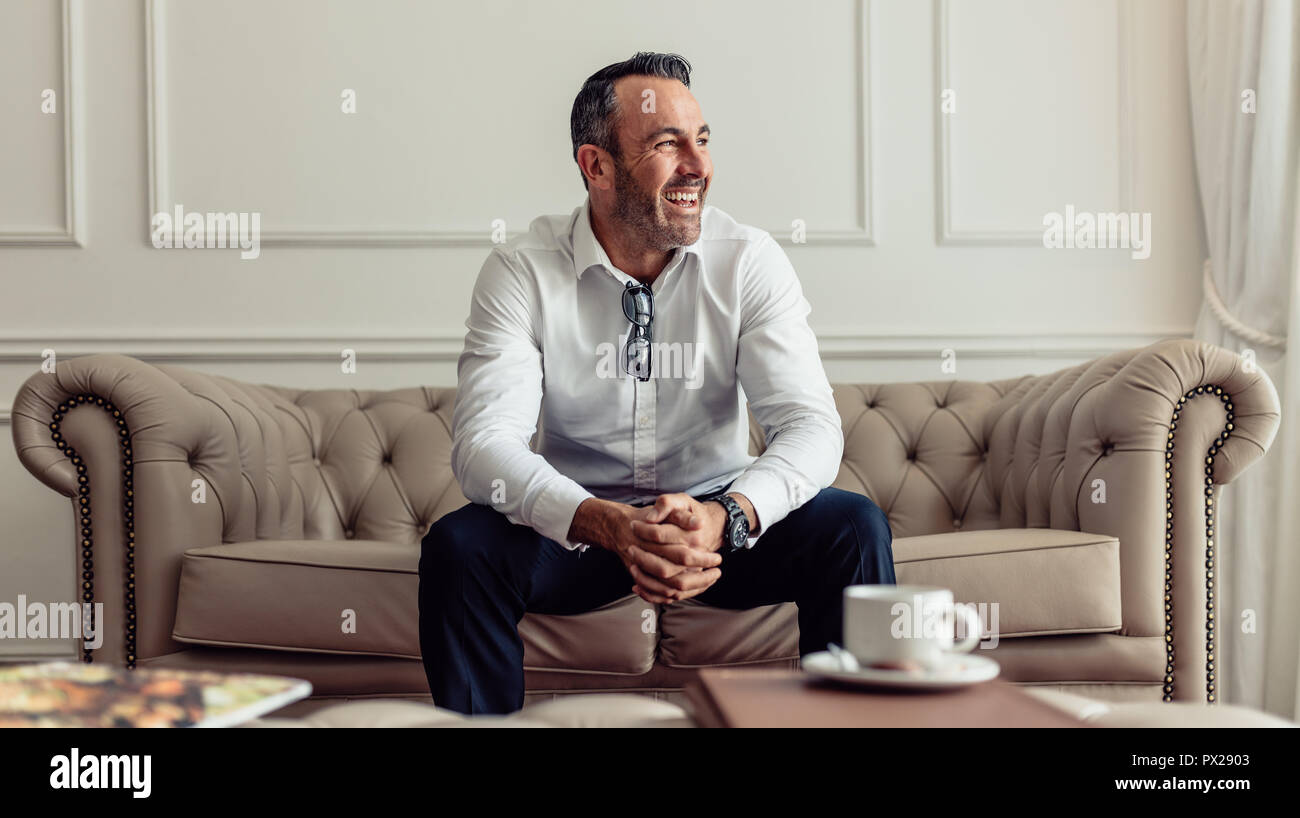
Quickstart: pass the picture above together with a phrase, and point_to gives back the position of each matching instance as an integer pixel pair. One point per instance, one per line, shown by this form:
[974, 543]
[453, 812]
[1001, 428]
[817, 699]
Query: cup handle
[973, 629]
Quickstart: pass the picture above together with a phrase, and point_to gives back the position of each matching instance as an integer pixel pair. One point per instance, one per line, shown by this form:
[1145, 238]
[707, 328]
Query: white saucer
[959, 670]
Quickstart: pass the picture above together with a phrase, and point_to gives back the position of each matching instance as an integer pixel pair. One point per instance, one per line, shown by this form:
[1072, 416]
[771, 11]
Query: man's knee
[874, 538]
[867, 523]
[870, 521]
[457, 538]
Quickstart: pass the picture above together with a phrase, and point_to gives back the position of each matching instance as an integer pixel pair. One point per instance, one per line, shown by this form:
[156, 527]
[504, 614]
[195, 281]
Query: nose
[694, 162]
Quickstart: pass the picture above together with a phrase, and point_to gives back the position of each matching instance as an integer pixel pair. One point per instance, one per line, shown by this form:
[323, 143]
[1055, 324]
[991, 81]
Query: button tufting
[348, 533]
[956, 523]
[315, 461]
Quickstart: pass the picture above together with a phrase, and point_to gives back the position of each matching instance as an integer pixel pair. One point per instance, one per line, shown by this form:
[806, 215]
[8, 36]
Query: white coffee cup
[905, 623]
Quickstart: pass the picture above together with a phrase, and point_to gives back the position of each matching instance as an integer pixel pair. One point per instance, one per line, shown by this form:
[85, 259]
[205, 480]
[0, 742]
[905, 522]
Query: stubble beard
[643, 214]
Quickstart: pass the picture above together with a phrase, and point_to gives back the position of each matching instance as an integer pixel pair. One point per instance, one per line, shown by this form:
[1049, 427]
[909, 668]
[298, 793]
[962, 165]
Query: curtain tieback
[1230, 321]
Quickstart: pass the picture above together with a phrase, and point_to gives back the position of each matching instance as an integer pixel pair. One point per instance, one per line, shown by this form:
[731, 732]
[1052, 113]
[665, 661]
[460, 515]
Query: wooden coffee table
[725, 697]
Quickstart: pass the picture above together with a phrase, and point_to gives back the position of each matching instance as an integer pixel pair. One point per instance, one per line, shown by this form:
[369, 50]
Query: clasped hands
[669, 548]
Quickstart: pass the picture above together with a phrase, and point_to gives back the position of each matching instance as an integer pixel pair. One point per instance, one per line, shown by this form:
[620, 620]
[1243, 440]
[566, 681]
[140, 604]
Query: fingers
[651, 585]
[660, 510]
[687, 519]
[654, 514]
[690, 583]
[668, 532]
[660, 533]
[686, 555]
[677, 508]
[649, 597]
[680, 586]
[652, 563]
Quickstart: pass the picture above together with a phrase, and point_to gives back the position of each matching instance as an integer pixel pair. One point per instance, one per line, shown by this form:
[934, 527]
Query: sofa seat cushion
[294, 595]
[1044, 581]
[693, 634]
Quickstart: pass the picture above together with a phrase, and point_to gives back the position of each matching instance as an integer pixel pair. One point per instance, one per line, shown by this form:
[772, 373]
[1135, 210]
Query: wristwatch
[736, 531]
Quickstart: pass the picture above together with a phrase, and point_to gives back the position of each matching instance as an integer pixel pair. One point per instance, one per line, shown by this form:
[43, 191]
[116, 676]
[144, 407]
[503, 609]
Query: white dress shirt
[545, 343]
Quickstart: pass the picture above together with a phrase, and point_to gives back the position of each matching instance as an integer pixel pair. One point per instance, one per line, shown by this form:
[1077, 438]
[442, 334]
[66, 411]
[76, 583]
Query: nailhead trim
[1218, 443]
[128, 515]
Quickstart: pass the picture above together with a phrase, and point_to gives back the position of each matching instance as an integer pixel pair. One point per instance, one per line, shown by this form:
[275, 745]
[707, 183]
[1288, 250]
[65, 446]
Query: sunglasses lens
[638, 305]
[636, 357]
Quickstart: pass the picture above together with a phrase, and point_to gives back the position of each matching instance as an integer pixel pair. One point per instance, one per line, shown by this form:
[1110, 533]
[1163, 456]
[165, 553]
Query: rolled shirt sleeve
[781, 372]
[499, 394]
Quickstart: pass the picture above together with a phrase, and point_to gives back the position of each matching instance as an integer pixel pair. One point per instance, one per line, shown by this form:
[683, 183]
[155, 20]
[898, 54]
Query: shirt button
[645, 421]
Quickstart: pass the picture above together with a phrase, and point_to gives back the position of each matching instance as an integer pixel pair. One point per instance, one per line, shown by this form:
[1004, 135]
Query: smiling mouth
[683, 199]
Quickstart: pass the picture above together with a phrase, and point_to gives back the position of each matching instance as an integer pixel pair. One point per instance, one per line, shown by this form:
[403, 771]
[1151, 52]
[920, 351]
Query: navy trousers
[479, 573]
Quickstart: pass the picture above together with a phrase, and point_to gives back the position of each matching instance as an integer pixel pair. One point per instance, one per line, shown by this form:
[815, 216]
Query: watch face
[738, 536]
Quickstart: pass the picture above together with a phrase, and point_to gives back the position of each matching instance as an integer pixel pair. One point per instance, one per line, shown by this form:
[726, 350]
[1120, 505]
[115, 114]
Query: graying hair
[593, 120]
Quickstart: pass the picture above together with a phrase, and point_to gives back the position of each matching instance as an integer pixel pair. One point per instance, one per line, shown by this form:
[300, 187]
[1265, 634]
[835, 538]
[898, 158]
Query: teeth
[682, 197]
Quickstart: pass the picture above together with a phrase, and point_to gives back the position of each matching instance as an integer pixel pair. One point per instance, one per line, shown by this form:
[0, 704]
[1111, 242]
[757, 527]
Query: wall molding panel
[862, 233]
[952, 234]
[72, 232]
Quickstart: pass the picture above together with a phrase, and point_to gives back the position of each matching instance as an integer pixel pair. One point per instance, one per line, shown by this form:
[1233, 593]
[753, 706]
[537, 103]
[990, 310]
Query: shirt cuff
[552, 514]
[768, 496]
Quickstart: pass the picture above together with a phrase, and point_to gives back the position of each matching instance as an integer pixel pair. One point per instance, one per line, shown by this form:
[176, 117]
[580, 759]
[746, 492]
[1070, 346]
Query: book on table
[68, 694]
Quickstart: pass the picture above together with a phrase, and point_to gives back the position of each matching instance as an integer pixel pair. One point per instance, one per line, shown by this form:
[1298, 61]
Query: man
[630, 327]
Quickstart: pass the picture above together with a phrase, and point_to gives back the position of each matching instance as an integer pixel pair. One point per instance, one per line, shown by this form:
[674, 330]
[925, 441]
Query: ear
[597, 165]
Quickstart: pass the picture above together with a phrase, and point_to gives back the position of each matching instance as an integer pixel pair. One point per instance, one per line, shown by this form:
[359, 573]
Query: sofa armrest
[118, 437]
[1135, 445]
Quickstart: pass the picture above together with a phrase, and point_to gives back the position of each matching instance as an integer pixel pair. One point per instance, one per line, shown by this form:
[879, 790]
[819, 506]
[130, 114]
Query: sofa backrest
[376, 464]
[344, 463]
[935, 456]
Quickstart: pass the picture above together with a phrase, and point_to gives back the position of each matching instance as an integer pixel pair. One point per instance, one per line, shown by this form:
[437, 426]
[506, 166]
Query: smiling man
[641, 480]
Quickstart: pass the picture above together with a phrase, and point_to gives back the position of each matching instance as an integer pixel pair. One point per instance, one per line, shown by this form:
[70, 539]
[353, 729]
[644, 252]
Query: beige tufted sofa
[1080, 502]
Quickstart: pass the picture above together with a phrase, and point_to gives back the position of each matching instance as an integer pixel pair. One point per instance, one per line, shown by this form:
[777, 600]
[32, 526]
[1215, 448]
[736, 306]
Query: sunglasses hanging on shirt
[639, 308]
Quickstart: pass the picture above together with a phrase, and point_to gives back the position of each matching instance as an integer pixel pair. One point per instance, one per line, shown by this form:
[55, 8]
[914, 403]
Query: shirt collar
[588, 252]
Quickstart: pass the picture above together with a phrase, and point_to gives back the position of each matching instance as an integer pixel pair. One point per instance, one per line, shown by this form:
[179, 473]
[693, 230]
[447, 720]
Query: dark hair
[593, 122]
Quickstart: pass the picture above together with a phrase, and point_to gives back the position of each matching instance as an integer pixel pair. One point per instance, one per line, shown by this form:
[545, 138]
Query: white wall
[923, 227]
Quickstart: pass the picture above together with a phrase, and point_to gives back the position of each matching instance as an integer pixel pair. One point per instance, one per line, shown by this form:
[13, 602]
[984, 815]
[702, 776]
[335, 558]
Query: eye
[665, 142]
[702, 141]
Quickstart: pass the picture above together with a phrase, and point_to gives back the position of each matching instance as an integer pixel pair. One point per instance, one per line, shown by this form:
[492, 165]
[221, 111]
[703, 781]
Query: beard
[644, 213]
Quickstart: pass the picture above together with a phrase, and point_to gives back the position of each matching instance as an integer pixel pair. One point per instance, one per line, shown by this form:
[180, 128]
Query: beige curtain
[1244, 68]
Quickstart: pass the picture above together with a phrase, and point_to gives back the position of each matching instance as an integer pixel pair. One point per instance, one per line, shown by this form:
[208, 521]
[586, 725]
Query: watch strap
[734, 513]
